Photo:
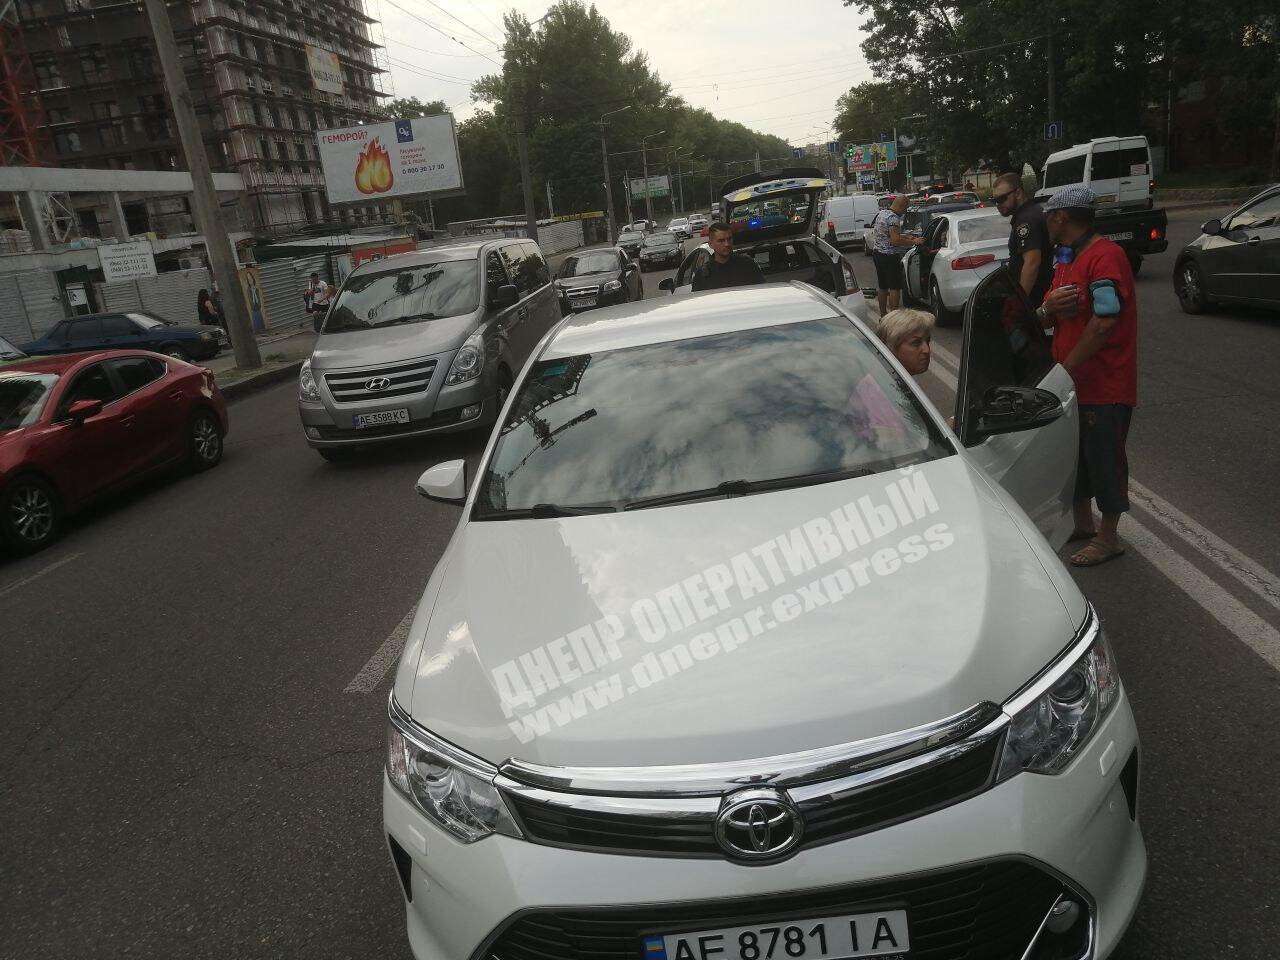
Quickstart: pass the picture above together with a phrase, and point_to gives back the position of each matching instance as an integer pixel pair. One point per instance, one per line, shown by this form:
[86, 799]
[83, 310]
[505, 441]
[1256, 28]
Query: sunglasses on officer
[999, 198]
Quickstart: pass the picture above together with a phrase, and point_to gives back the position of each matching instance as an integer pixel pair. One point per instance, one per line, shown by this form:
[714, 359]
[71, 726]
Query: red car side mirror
[82, 410]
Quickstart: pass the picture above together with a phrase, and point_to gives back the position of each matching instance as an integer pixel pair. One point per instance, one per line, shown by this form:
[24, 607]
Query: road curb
[260, 381]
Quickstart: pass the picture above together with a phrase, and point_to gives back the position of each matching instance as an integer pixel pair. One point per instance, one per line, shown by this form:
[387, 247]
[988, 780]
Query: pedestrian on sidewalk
[1093, 307]
[888, 244]
[724, 268]
[316, 297]
[208, 312]
[1030, 252]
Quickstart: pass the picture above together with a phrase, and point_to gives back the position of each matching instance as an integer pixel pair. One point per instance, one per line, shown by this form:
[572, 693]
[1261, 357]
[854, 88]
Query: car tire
[173, 350]
[1135, 263]
[945, 317]
[1188, 284]
[30, 515]
[204, 441]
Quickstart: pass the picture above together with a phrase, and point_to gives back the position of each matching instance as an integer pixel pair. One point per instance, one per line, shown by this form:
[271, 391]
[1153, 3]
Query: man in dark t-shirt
[725, 268]
[1030, 251]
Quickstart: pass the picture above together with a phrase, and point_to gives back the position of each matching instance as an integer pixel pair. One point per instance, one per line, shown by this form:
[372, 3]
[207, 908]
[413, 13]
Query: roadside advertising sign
[325, 70]
[125, 261]
[658, 186]
[397, 158]
[861, 158]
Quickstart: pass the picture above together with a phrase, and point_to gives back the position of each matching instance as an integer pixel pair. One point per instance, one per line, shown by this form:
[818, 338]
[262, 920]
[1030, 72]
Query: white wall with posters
[398, 158]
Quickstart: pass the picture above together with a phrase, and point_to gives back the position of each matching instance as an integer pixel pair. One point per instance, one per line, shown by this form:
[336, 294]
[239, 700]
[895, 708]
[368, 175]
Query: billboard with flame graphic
[398, 158]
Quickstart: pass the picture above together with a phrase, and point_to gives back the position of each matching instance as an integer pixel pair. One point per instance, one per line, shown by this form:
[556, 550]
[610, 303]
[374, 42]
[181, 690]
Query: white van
[848, 216]
[1117, 169]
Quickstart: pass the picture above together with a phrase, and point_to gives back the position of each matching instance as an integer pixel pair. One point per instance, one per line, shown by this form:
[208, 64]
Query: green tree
[403, 108]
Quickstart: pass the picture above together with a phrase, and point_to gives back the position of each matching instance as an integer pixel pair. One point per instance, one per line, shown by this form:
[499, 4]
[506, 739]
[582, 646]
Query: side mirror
[505, 296]
[446, 481]
[669, 284]
[82, 410]
[1212, 227]
[1012, 409]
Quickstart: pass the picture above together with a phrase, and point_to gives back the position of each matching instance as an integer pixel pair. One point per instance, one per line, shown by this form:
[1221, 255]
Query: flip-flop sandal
[1100, 554]
[1077, 535]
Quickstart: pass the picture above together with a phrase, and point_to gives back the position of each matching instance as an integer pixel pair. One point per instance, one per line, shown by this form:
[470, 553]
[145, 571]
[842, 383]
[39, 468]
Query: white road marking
[373, 672]
[39, 573]
[1246, 625]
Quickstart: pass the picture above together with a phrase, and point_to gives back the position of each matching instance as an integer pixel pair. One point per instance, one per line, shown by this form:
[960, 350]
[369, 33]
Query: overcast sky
[773, 66]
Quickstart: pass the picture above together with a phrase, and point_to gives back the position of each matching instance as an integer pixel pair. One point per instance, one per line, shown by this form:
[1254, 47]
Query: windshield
[608, 429]
[22, 397]
[427, 291]
[978, 229]
[8, 350]
[589, 263]
[660, 240]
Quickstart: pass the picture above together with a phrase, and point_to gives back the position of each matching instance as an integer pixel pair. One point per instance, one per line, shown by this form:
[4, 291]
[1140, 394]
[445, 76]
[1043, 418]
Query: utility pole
[757, 161]
[551, 207]
[608, 184]
[526, 184]
[644, 160]
[203, 196]
[626, 194]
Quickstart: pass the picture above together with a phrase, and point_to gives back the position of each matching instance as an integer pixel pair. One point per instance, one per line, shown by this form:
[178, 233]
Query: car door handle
[522, 313]
[127, 421]
[1254, 241]
[175, 394]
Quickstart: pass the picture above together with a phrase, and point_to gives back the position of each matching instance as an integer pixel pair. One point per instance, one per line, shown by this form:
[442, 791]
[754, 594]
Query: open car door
[1015, 407]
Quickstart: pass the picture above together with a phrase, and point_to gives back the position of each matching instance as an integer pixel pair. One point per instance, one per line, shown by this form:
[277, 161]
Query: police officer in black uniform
[1030, 250]
[725, 268]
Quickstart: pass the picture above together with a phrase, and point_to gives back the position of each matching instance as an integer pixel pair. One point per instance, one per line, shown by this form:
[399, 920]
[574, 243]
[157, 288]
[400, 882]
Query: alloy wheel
[206, 440]
[31, 513]
[1190, 289]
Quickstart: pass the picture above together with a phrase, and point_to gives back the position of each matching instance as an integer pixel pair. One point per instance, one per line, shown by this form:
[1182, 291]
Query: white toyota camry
[738, 652]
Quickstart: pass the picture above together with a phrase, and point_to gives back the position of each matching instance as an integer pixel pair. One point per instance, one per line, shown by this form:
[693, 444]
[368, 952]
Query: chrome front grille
[401, 380]
[577, 292]
[837, 792]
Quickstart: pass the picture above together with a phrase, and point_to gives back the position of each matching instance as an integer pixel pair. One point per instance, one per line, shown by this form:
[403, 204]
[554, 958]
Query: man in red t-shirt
[1093, 311]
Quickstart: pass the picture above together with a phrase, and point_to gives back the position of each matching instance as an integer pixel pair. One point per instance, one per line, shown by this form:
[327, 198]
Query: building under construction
[265, 75]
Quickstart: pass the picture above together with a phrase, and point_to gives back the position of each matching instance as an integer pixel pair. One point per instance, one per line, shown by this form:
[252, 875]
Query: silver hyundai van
[424, 342]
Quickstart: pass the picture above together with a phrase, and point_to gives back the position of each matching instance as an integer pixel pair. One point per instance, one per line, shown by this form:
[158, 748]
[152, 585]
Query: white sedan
[737, 643]
[680, 226]
[962, 247]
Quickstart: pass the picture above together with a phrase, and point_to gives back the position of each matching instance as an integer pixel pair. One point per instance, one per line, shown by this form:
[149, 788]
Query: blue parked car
[134, 331]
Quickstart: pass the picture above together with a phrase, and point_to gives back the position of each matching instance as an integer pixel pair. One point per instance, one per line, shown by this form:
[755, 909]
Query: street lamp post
[644, 160]
[608, 187]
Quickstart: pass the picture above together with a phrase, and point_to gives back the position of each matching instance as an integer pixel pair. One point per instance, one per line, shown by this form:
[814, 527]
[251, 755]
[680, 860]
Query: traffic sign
[1055, 130]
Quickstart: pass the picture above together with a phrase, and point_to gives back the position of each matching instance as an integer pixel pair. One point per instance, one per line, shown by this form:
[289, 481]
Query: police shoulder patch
[1023, 230]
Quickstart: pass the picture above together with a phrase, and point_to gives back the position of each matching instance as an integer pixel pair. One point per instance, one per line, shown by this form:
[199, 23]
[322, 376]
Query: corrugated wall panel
[306, 266]
[121, 295]
[282, 294]
[172, 296]
[13, 313]
[42, 300]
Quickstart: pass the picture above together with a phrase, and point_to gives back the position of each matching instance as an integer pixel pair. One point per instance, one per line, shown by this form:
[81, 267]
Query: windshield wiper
[411, 318]
[739, 488]
[544, 511]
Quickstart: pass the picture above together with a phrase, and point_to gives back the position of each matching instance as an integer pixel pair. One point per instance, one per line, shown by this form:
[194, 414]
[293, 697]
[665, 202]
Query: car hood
[360, 348]
[971, 618]
[586, 280]
[663, 248]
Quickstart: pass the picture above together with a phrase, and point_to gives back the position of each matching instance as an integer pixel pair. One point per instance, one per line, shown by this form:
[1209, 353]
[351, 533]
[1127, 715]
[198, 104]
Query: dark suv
[130, 331]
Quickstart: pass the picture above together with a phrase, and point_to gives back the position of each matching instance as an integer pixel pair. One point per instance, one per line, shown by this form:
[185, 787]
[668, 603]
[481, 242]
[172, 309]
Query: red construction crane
[23, 131]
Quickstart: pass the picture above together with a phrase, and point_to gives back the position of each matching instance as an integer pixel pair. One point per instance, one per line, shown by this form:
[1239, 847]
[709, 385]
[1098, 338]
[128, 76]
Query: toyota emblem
[377, 383]
[758, 825]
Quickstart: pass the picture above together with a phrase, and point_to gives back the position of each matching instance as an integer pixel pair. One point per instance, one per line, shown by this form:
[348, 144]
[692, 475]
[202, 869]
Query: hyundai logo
[377, 383]
[758, 825]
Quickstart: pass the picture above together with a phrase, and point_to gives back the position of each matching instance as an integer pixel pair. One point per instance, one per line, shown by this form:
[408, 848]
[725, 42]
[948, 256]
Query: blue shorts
[1103, 470]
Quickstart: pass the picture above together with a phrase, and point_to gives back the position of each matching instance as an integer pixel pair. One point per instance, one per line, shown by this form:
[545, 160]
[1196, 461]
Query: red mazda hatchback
[77, 427]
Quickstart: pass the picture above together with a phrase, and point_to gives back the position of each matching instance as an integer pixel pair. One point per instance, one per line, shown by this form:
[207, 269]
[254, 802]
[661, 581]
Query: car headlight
[1047, 733]
[206, 335]
[469, 361]
[448, 786]
[307, 384]
[612, 285]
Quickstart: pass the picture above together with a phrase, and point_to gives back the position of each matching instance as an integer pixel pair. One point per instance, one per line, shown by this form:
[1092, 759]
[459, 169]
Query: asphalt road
[184, 773]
